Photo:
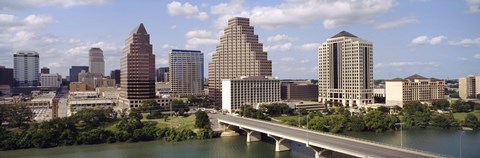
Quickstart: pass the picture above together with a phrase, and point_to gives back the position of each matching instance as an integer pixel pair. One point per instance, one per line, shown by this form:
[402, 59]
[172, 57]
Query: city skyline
[422, 38]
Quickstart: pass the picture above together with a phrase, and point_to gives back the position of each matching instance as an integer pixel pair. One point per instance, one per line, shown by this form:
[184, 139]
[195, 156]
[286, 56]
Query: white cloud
[476, 56]
[23, 4]
[197, 38]
[466, 42]
[310, 46]
[397, 23]
[186, 10]
[406, 63]
[423, 40]
[279, 38]
[279, 47]
[300, 12]
[474, 6]
[173, 27]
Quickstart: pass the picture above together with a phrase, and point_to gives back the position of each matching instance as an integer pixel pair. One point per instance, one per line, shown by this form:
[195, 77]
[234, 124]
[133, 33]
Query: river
[445, 142]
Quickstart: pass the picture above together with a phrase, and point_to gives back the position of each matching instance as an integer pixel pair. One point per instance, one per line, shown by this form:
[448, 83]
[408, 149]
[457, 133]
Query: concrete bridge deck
[320, 142]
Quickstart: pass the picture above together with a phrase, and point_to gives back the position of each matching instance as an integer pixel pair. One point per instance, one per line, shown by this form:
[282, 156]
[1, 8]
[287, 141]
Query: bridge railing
[349, 137]
[378, 143]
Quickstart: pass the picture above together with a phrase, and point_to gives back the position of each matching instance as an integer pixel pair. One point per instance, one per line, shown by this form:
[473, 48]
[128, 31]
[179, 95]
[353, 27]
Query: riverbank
[445, 142]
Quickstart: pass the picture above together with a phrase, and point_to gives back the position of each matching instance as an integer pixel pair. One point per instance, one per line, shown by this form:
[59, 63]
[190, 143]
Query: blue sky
[434, 38]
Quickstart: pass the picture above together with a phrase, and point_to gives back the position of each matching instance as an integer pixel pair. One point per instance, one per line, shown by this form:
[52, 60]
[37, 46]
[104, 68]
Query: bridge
[320, 142]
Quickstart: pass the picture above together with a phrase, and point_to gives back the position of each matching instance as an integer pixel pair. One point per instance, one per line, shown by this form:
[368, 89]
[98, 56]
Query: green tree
[356, 123]
[202, 120]
[374, 121]
[383, 109]
[318, 123]
[443, 120]
[17, 115]
[179, 106]
[471, 121]
[440, 104]
[129, 124]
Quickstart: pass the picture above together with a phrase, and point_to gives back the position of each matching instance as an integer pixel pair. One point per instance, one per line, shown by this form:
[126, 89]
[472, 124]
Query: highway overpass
[322, 143]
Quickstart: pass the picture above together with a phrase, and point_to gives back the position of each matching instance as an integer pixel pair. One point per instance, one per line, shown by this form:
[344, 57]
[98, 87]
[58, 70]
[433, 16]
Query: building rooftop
[139, 29]
[416, 76]
[344, 34]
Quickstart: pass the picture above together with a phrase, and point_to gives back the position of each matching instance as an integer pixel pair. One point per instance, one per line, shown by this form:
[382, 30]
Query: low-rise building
[299, 90]
[78, 104]
[104, 82]
[80, 87]
[50, 80]
[379, 92]
[252, 90]
[414, 88]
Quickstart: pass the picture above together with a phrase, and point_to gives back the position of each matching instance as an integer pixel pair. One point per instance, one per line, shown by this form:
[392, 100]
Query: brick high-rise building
[137, 69]
[238, 54]
[345, 70]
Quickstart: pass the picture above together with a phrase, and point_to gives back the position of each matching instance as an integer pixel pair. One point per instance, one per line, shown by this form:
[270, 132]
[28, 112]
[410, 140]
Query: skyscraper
[25, 68]
[186, 75]
[115, 74]
[75, 70]
[96, 62]
[163, 74]
[238, 54]
[469, 87]
[137, 69]
[345, 70]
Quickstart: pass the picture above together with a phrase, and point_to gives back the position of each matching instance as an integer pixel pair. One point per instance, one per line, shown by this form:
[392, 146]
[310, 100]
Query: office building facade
[50, 80]
[96, 62]
[345, 70]
[75, 70]
[469, 87]
[251, 91]
[186, 72]
[298, 90]
[45, 70]
[115, 74]
[414, 88]
[238, 54]
[163, 74]
[26, 68]
[6, 76]
[137, 69]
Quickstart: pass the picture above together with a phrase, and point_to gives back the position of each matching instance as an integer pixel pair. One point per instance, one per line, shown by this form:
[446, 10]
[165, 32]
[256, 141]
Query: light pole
[461, 134]
[401, 132]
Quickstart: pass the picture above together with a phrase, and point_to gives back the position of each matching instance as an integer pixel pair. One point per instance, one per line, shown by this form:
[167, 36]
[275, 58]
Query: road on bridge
[324, 140]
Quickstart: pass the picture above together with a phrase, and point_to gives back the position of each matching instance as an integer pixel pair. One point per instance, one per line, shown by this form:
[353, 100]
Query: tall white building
[96, 62]
[186, 72]
[50, 80]
[414, 88]
[252, 90]
[469, 87]
[26, 68]
[345, 70]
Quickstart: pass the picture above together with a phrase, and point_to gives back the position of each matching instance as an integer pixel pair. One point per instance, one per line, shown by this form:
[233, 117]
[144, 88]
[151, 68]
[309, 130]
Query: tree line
[88, 126]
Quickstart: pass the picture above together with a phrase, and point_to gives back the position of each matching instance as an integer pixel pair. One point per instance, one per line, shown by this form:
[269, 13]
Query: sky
[433, 38]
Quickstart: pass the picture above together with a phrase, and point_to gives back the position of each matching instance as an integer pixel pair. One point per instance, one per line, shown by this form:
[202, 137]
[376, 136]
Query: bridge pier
[320, 152]
[228, 130]
[281, 144]
[252, 136]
